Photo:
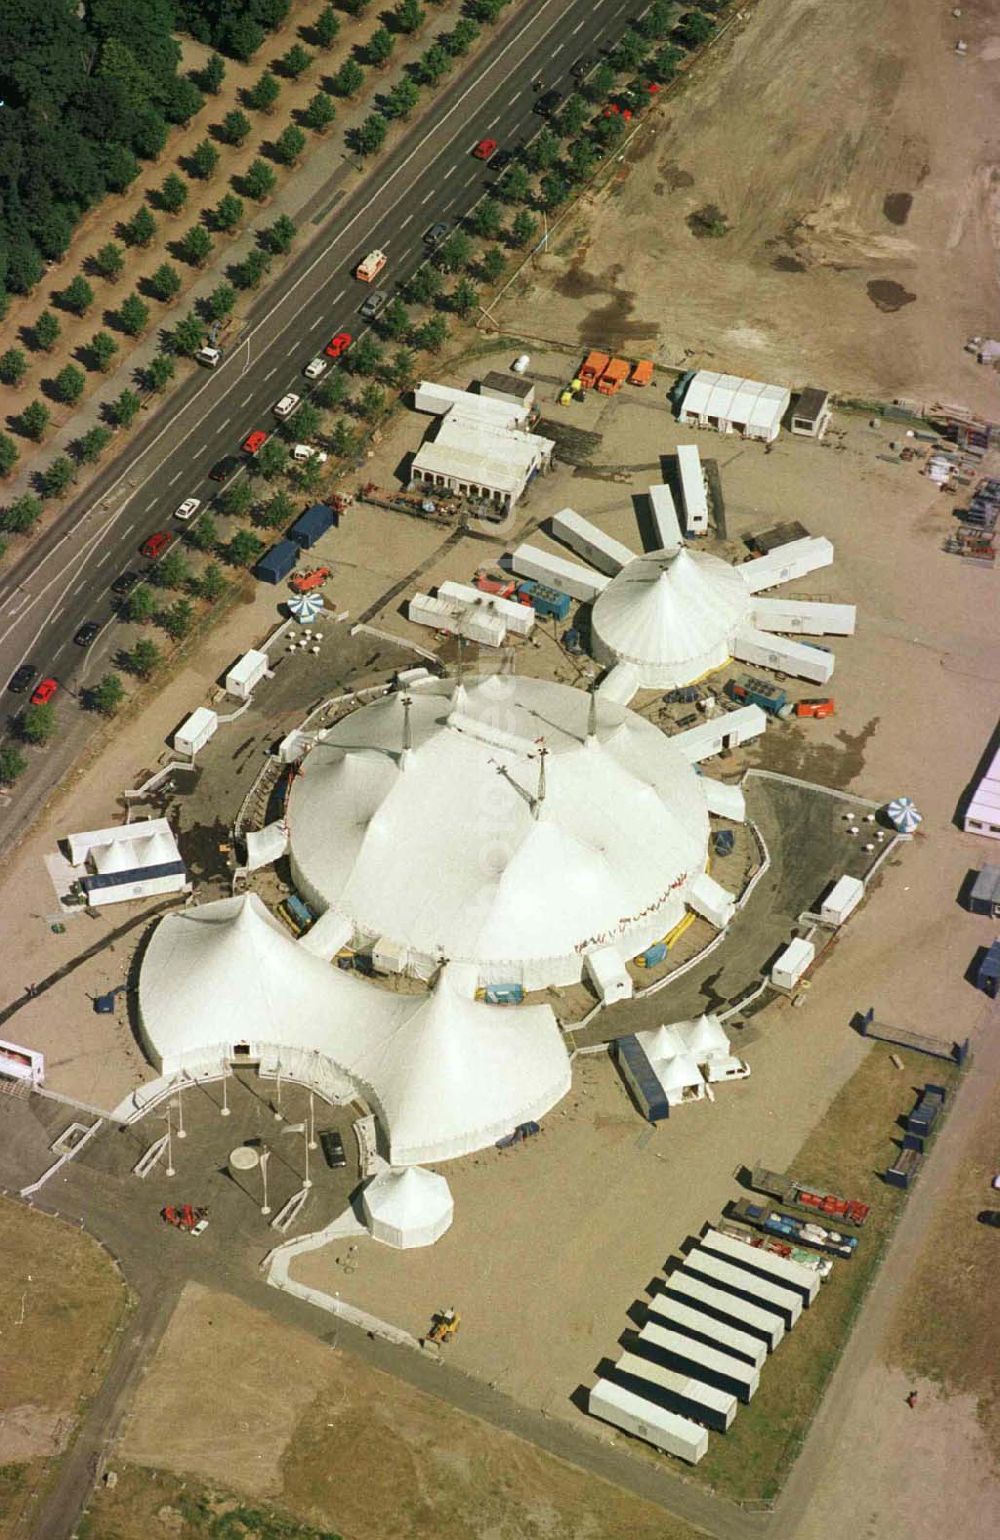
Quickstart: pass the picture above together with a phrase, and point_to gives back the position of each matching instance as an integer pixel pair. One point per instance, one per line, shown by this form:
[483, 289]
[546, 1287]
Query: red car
[155, 545]
[485, 148]
[253, 441]
[44, 692]
[338, 345]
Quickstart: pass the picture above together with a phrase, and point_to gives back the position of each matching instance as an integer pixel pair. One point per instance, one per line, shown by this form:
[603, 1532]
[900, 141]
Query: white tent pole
[170, 1146]
[225, 1088]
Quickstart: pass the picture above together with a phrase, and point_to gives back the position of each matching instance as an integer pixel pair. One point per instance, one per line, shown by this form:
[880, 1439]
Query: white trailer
[766, 1264]
[196, 730]
[773, 1296]
[457, 620]
[619, 684]
[804, 617]
[644, 1419]
[711, 1364]
[842, 900]
[693, 493]
[709, 899]
[725, 731]
[666, 524]
[519, 618]
[704, 1328]
[246, 674]
[783, 655]
[798, 955]
[568, 576]
[689, 1288]
[792, 560]
[679, 1393]
[606, 969]
[438, 400]
[603, 552]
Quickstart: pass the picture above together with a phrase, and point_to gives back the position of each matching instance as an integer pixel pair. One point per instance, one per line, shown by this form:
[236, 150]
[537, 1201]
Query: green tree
[455, 252]
[140, 605]
[92, 444]
[424, 286]
[543, 152]
[165, 283]
[629, 53]
[259, 180]
[663, 66]
[145, 657]
[203, 534]
[78, 296]
[582, 160]
[279, 236]
[133, 315]
[35, 419]
[573, 116]
[332, 391]
[173, 194]
[69, 384]
[486, 218]
[369, 136]
[371, 402]
[177, 620]
[204, 159]
[221, 302]
[103, 348]
[523, 228]
[196, 247]
[181, 100]
[22, 515]
[236, 500]
[486, 10]
[189, 334]
[464, 297]
[271, 460]
[13, 366]
[695, 29]
[433, 64]
[241, 37]
[46, 330]
[380, 47]
[555, 190]
[212, 585]
[365, 356]
[126, 409]
[235, 127]
[402, 99]
[289, 145]
[277, 511]
[228, 212]
[343, 439]
[492, 264]
[515, 184]
[172, 571]
[304, 426]
[600, 83]
[409, 16]
[608, 129]
[263, 94]
[349, 78]
[395, 321]
[107, 695]
[326, 27]
[140, 229]
[212, 75]
[12, 763]
[38, 724]
[159, 372]
[431, 336]
[58, 477]
[109, 262]
[403, 370]
[254, 268]
[243, 549]
[461, 37]
[657, 20]
[355, 7]
[320, 113]
[9, 455]
[295, 62]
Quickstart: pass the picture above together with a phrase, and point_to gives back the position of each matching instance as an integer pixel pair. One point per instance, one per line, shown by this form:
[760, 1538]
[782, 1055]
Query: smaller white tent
[704, 1036]
[409, 1207]
[673, 1064]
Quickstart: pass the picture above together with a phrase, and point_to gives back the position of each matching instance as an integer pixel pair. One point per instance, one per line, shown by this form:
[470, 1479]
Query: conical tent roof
[408, 1207]
[679, 1072]
[705, 1035]
[671, 615]
[663, 1043]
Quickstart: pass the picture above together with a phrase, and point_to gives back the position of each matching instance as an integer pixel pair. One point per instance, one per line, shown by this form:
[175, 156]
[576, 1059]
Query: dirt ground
[338, 1443]
[862, 209]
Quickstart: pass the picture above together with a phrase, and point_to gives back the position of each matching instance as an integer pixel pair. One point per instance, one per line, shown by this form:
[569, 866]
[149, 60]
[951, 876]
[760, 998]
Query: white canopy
[703, 1037]
[671, 616]
[735, 405]
[436, 823]
[408, 1207]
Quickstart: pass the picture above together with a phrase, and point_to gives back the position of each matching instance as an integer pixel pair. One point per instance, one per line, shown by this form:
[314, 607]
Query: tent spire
[407, 731]
[536, 805]
[592, 718]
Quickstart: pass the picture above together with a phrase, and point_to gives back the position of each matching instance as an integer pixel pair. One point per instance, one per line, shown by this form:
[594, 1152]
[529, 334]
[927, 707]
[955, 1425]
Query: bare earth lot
[854, 156]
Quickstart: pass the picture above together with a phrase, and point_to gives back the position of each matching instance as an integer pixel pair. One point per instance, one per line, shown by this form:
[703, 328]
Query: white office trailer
[709, 899]
[711, 1364]
[680, 1393]
[842, 900]
[666, 525]
[619, 685]
[789, 967]
[601, 550]
[518, 618]
[759, 1321]
[483, 626]
[694, 494]
[569, 577]
[803, 616]
[783, 655]
[196, 730]
[733, 405]
[726, 731]
[497, 386]
[794, 559]
[704, 1328]
[644, 1419]
[758, 1291]
[725, 800]
[607, 972]
[246, 674]
[438, 400]
[766, 1264]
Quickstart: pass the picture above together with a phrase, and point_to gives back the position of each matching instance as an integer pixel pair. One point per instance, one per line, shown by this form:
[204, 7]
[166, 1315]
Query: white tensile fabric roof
[448, 849]
[408, 1207]
[748, 403]
[671, 615]
[446, 1074]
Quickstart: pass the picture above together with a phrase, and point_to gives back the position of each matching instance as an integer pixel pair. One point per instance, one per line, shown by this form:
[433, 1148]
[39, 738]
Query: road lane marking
[450, 171]
[128, 529]
[430, 195]
[79, 586]
[407, 221]
[105, 558]
[229, 419]
[558, 49]
[175, 478]
[271, 373]
[576, 29]
[515, 98]
[244, 402]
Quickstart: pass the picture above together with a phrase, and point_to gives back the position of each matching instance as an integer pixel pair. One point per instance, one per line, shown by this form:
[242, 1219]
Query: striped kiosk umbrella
[903, 813]
[306, 607]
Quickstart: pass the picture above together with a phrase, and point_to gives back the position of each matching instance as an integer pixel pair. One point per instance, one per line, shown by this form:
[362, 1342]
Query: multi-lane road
[431, 175]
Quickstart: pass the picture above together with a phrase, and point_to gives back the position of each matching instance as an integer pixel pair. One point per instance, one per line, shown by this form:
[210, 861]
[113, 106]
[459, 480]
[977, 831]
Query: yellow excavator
[444, 1325]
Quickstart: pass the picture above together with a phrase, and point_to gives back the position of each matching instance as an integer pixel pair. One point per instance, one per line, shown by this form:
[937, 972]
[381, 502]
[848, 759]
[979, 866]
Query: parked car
[210, 357]
[124, 583]
[155, 546]
[817, 707]
[287, 405]
[224, 468]
[338, 345]
[303, 452]
[188, 508]
[315, 368]
[254, 441]
[436, 234]
[373, 304]
[332, 1146]
[87, 632]
[44, 691]
[583, 67]
[547, 103]
[501, 160]
[485, 149]
[24, 675]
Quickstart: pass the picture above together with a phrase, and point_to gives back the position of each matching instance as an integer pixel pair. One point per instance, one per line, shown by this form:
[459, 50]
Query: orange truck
[614, 377]
[592, 368]
[369, 269]
[642, 374]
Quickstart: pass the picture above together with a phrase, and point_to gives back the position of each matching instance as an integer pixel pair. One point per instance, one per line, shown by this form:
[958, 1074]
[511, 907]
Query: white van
[725, 1067]
[210, 357]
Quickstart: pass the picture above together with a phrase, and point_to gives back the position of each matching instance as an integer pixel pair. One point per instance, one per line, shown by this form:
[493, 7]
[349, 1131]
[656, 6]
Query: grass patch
[846, 1151]
[147, 1502]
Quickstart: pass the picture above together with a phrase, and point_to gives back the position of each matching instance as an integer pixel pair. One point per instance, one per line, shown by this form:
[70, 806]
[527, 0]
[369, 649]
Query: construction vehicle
[788, 1228]
[824, 707]
[592, 368]
[305, 582]
[369, 267]
[193, 1221]
[444, 1325]
[642, 372]
[788, 1189]
[614, 377]
[750, 691]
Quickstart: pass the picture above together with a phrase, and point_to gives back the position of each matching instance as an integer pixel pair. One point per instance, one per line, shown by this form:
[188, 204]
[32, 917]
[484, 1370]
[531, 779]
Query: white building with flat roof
[480, 458]
[733, 405]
